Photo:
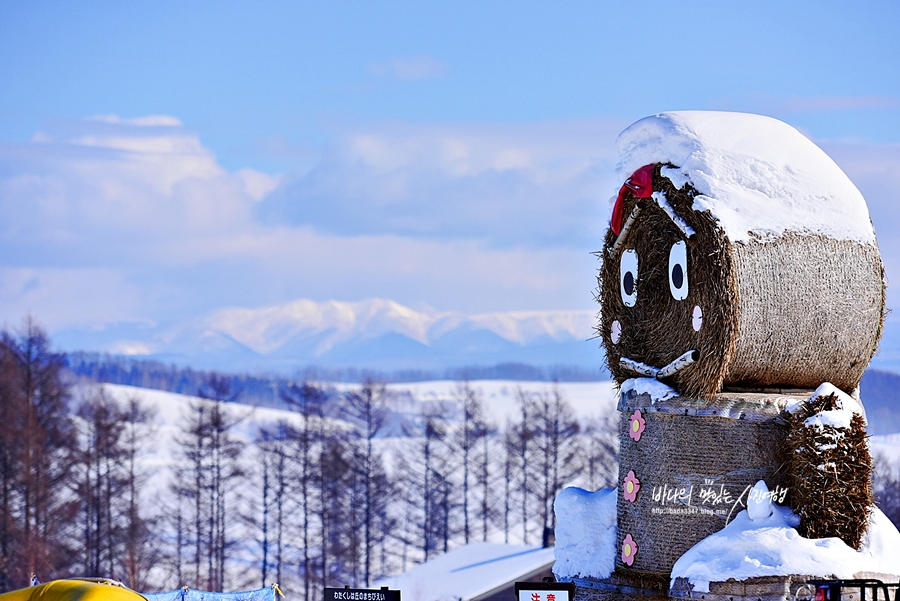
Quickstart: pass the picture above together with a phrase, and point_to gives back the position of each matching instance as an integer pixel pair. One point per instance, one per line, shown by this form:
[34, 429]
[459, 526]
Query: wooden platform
[616, 588]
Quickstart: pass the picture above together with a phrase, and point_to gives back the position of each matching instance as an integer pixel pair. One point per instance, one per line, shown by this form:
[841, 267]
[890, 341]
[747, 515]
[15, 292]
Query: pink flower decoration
[629, 550]
[631, 486]
[636, 425]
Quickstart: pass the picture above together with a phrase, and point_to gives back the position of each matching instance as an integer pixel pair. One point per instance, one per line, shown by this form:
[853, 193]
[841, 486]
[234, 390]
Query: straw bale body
[790, 311]
[694, 463]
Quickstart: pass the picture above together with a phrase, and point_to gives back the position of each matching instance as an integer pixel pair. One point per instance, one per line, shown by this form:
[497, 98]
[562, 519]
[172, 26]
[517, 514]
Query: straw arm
[665, 205]
[654, 372]
[639, 368]
[629, 223]
[678, 364]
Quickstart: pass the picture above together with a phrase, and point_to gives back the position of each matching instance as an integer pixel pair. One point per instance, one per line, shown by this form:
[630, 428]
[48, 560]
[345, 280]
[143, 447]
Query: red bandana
[640, 184]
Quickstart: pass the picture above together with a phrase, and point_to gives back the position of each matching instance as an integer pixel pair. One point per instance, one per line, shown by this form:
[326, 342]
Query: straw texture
[829, 470]
[658, 330]
[791, 312]
[710, 459]
[810, 310]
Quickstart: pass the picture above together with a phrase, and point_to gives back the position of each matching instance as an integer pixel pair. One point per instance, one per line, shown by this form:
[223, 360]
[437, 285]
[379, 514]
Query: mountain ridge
[372, 333]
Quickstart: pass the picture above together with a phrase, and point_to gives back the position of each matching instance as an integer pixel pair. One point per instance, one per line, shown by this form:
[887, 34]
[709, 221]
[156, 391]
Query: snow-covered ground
[474, 570]
[760, 541]
[886, 451]
[588, 400]
[769, 545]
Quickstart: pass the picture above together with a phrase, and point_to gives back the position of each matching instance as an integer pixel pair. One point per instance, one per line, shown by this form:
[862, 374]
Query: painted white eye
[678, 278]
[697, 318]
[628, 273]
[615, 332]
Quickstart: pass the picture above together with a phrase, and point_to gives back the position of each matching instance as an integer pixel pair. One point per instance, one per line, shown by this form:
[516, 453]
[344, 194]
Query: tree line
[264, 390]
[349, 491]
[344, 490]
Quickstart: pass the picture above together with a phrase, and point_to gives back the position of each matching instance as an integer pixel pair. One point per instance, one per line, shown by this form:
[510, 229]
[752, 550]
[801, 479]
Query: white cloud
[60, 297]
[117, 188]
[116, 222]
[410, 68]
[146, 121]
[536, 184]
[256, 183]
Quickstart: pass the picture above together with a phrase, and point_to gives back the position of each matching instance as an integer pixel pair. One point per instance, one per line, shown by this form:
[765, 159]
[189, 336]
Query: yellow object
[74, 590]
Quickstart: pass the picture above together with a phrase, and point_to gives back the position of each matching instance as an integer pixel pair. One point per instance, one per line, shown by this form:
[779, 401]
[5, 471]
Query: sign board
[361, 594]
[545, 591]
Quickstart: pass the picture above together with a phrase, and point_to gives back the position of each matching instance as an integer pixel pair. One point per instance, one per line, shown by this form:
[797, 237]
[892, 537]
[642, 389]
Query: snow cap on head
[759, 177]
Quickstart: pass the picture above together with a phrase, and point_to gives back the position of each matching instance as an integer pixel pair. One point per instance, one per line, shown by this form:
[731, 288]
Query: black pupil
[628, 283]
[677, 276]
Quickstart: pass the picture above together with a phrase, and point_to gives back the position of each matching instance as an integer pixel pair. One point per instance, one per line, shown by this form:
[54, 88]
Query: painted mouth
[660, 373]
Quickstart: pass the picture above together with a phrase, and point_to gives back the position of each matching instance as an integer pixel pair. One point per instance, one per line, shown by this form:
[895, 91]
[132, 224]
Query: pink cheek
[697, 319]
[615, 332]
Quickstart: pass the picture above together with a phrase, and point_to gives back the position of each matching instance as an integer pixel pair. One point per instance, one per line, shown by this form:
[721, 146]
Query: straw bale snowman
[740, 265]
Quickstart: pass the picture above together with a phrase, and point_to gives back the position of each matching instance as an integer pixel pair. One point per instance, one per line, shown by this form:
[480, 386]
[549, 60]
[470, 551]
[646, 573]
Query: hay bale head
[739, 255]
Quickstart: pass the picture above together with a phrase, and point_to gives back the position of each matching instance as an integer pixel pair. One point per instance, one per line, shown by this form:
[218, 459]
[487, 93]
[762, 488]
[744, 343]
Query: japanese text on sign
[543, 595]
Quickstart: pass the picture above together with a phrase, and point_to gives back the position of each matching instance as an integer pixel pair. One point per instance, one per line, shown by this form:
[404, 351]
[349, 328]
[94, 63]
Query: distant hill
[880, 394]
[265, 390]
[374, 334]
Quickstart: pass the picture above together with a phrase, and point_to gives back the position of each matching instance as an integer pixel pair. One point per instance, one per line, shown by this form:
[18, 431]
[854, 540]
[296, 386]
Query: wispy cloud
[122, 222]
[780, 105]
[410, 68]
[535, 184]
[146, 121]
[818, 104]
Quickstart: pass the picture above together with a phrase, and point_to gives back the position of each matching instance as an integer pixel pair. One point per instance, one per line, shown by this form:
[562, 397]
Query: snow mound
[585, 533]
[650, 386]
[758, 176]
[759, 503]
[838, 418]
[748, 548]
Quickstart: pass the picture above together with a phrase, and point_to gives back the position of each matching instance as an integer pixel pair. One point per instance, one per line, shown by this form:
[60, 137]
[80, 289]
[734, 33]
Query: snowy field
[885, 450]
[587, 399]
[407, 404]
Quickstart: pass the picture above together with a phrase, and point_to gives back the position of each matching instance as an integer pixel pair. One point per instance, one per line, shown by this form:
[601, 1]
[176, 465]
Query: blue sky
[256, 80]
[161, 160]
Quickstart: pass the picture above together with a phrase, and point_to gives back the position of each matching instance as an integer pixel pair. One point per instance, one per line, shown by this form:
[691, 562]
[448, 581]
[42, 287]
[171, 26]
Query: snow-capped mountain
[372, 333]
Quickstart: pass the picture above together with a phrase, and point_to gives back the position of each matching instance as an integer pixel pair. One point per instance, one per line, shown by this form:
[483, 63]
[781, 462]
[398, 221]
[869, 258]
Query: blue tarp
[186, 594]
